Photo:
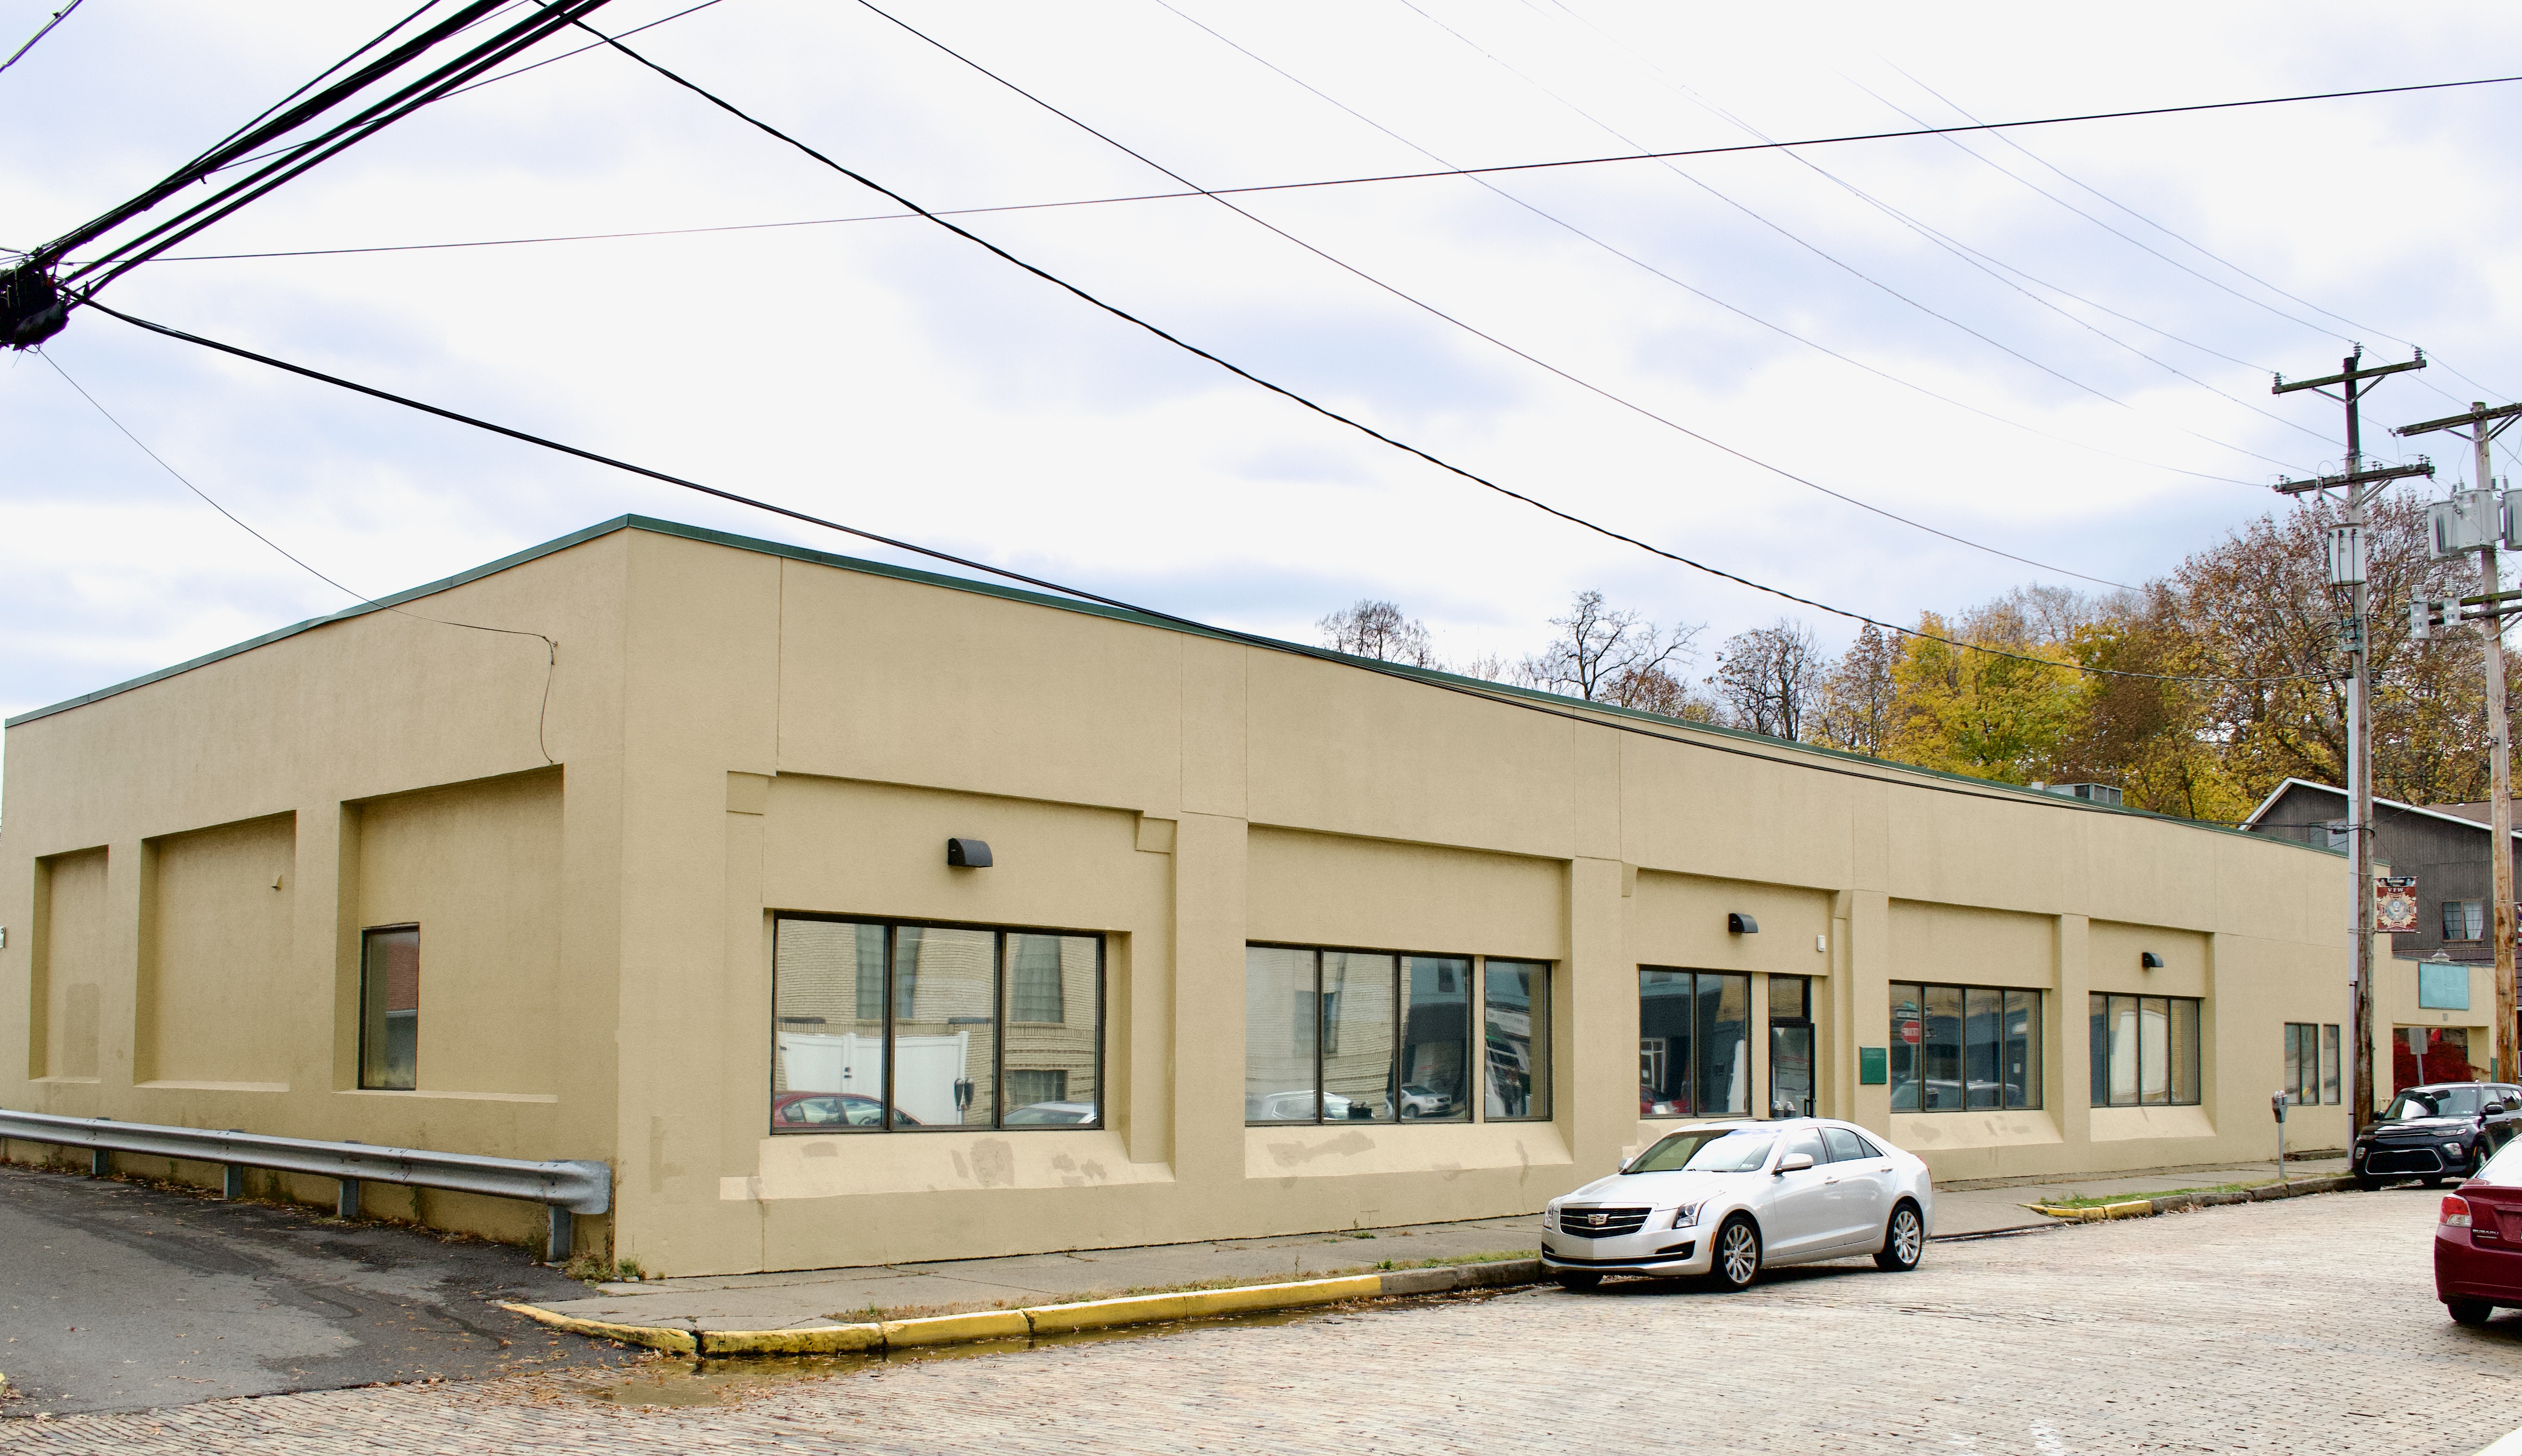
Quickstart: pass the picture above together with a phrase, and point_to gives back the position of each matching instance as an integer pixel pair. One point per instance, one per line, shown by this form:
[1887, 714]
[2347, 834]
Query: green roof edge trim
[1096, 609]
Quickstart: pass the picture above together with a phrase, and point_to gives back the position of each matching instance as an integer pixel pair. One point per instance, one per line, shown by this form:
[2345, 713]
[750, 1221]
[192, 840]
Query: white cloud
[899, 378]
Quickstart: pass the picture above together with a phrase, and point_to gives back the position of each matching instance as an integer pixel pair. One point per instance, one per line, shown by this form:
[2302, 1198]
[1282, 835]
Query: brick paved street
[2307, 1325]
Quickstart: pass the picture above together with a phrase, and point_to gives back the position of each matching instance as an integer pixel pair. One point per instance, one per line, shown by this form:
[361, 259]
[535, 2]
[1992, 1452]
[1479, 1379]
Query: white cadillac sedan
[1727, 1199]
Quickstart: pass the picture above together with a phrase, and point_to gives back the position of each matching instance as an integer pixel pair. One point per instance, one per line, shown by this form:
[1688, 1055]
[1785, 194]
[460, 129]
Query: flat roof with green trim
[1887, 770]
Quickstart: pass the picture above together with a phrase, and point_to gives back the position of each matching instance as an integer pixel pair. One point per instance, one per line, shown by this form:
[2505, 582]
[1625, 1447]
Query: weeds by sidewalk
[2097, 1200]
[874, 1313]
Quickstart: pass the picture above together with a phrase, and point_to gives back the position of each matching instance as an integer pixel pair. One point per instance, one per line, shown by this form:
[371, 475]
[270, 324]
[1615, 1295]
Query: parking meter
[2277, 1106]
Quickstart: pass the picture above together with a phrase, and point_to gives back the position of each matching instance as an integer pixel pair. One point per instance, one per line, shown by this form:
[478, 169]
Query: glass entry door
[1791, 1047]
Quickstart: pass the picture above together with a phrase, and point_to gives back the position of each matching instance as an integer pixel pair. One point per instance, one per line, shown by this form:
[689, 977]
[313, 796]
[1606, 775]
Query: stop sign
[1912, 1033]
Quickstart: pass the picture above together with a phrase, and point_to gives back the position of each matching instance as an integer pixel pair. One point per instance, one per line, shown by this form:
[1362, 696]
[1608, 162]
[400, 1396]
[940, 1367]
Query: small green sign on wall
[1873, 1065]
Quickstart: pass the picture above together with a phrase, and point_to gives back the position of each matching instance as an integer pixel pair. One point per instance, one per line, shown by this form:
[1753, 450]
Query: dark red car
[2478, 1241]
[790, 1109]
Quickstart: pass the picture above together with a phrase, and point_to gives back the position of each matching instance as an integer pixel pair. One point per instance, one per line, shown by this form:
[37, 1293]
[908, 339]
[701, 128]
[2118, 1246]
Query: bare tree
[1769, 679]
[1607, 656]
[1378, 629]
[1859, 701]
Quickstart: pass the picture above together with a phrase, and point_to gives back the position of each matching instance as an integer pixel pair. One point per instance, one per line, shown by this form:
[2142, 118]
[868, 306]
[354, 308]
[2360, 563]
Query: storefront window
[1694, 1043]
[1515, 1028]
[1371, 1035]
[1962, 1048]
[2145, 1051]
[881, 1026]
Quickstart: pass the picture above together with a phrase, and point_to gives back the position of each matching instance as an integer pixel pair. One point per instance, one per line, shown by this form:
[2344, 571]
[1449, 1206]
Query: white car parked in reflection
[1726, 1200]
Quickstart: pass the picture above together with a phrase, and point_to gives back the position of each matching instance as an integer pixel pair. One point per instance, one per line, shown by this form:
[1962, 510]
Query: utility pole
[2347, 568]
[2483, 425]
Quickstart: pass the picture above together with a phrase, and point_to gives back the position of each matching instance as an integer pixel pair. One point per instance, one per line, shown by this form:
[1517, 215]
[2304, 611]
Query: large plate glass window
[892, 1026]
[2311, 1062]
[1373, 1036]
[1956, 1049]
[2145, 1051]
[1517, 1028]
[1694, 1043]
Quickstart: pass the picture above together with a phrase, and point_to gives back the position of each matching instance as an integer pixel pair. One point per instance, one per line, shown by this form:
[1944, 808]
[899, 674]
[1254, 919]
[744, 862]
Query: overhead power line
[551, 656]
[1995, 268]
[461, 418]
[1381, 177]
[732, 108]
[1476, 331]
[1422, 676]
[37, 292]
[59, 15]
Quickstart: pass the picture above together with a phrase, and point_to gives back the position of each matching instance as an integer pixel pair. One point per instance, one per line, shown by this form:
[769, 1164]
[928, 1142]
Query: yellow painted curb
[964, 1329]
[1148, 1309]
[953, 1329]
[830, 1340]
[2097, 1213]
[672, 1341]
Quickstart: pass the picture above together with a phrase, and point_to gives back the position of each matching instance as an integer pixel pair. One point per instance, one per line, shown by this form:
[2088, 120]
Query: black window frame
[2100, 1075]
[894, 999]
[2035, 1079]
[1537, 1044]
[1474, 1031]
[1696, 1076]
[367, 935]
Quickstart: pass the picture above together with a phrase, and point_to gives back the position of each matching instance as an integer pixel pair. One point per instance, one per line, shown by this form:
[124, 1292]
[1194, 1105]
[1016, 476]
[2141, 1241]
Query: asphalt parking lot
[119, 1296]
[2298, 1327]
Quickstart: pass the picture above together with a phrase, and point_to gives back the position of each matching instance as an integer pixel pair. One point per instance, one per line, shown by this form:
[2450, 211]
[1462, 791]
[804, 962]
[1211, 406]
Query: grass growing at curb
[874, 1314]
[2097, 1200]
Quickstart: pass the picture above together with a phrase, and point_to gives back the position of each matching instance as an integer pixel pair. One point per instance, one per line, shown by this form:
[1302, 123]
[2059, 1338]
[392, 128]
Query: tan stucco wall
[742, 733]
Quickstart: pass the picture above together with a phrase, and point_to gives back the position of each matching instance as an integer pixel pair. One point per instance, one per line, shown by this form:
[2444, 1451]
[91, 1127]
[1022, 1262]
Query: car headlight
[2451, 1148]
[1684, 1217]
[1550, 1218]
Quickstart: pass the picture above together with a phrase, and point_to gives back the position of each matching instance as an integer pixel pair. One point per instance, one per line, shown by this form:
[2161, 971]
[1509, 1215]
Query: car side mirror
[1795, 1162]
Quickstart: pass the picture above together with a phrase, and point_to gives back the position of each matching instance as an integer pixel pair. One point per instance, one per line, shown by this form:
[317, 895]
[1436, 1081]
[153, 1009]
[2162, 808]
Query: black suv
[2443, 1129]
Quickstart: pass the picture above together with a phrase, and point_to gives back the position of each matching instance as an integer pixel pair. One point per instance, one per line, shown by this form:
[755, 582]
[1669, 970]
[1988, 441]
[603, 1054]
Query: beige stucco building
[1268, 942]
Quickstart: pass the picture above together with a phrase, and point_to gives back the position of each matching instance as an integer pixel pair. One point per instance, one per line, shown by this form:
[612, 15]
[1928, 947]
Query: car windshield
[2433, 1101]
[1714, 1150]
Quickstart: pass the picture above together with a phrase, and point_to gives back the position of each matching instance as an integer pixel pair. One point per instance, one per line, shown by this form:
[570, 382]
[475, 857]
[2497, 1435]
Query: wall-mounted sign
[2394, 904]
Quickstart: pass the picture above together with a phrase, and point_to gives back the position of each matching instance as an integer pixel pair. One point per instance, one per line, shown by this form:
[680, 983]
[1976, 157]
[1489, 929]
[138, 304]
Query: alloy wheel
[1908, 1236]
[1738, 1252]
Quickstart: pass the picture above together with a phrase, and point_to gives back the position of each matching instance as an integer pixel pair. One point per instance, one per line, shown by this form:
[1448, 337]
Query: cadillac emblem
[1597, 1220]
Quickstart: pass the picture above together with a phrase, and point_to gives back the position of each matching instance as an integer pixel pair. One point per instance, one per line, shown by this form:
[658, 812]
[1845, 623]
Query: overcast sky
[2057, 345]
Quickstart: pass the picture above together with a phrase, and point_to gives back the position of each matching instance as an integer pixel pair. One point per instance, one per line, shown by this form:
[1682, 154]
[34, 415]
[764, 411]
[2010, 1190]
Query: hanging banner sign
[2394, 904]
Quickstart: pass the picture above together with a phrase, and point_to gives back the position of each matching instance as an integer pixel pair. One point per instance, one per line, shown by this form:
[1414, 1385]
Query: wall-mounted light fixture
[2149, 960]
[968, 854]
[1738, 924]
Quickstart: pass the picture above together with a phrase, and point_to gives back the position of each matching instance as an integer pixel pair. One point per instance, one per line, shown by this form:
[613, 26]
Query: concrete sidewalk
[810, 1299]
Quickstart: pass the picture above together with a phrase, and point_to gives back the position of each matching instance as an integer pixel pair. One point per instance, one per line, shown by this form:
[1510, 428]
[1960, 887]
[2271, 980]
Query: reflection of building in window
[2311, 1062]
[1036, 992]
[1703, 1020]
[2465, 919]
[1382, 1037]
[905, 1023]
[1516, 1034]
[1957, 1048]
[2144, 1051]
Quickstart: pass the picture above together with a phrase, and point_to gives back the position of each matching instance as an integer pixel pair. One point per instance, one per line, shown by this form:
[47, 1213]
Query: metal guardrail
[565, 1187]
